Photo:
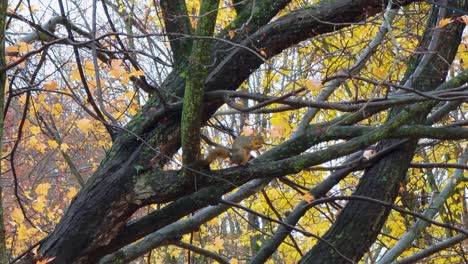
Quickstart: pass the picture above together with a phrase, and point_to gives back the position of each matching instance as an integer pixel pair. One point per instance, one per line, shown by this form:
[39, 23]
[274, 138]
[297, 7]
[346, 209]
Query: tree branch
[434, 206]
[176, 20]
[199, 62]
[202, 252]
[432, 249]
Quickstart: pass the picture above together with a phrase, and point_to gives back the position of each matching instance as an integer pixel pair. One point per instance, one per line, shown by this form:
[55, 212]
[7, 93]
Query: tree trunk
[100, 210]
[359, 223]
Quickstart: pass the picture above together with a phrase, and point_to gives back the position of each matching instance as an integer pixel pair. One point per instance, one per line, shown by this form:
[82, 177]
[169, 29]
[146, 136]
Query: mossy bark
[359, 222]
[101, 209]
[199, 64]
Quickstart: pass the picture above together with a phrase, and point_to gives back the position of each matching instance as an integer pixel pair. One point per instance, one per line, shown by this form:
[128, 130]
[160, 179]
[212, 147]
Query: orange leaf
[232, 33]
[314, 84]
[23, 46]
[218, 243]
[445, 22]
[379, 72]
[12, 49]
[263, 53]
[117, 69]
[308, 197]
[84, 124]
[136, 73]
[276, 131]
[50, 86]
[45, 261]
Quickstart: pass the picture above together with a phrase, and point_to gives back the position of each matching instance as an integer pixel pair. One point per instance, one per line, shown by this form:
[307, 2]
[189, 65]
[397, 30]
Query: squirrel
[239, 153]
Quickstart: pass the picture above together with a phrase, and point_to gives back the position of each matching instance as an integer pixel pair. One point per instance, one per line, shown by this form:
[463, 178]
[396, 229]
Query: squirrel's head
[257, 141]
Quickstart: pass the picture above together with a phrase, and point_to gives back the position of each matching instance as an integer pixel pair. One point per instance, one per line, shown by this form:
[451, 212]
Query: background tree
[111, 106]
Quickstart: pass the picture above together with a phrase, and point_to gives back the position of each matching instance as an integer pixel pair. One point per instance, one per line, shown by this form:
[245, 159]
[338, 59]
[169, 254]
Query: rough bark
[199, 62]
[177, 22]
[102, 207]
[359, 223]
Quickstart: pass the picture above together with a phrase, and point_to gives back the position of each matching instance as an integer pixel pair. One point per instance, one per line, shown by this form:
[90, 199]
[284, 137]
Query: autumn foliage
[362, 106]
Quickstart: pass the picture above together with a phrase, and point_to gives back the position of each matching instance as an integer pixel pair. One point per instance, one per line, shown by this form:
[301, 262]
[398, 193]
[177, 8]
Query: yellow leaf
[41, 147]
[41, 98]
[240, 103]
[280, 125]
[84, 124]
[64, 146]
[33, 141]
[124, 80]
[17, 216]
[91, 83]
[117, 69]
[75, 75]
[136, 73]
[444, 22]
[132, 111]
[218, 243]
[52, 143]
[102, 143]
[314, 85]
[129, 95]
[34, 9]
[308, 197]
[39, 204]
[72, 192]
[57, 109]
[42, 189]
[50, 86]
[46, 107]
[35, 130]
[23, 46]
[22, 99]
[89, 68]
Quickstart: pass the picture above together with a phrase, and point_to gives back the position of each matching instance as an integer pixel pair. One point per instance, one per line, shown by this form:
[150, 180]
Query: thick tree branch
[361, 222]
[238, 175]
[176, 20]
[199, 62]
[162, 132]
[185, 226]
